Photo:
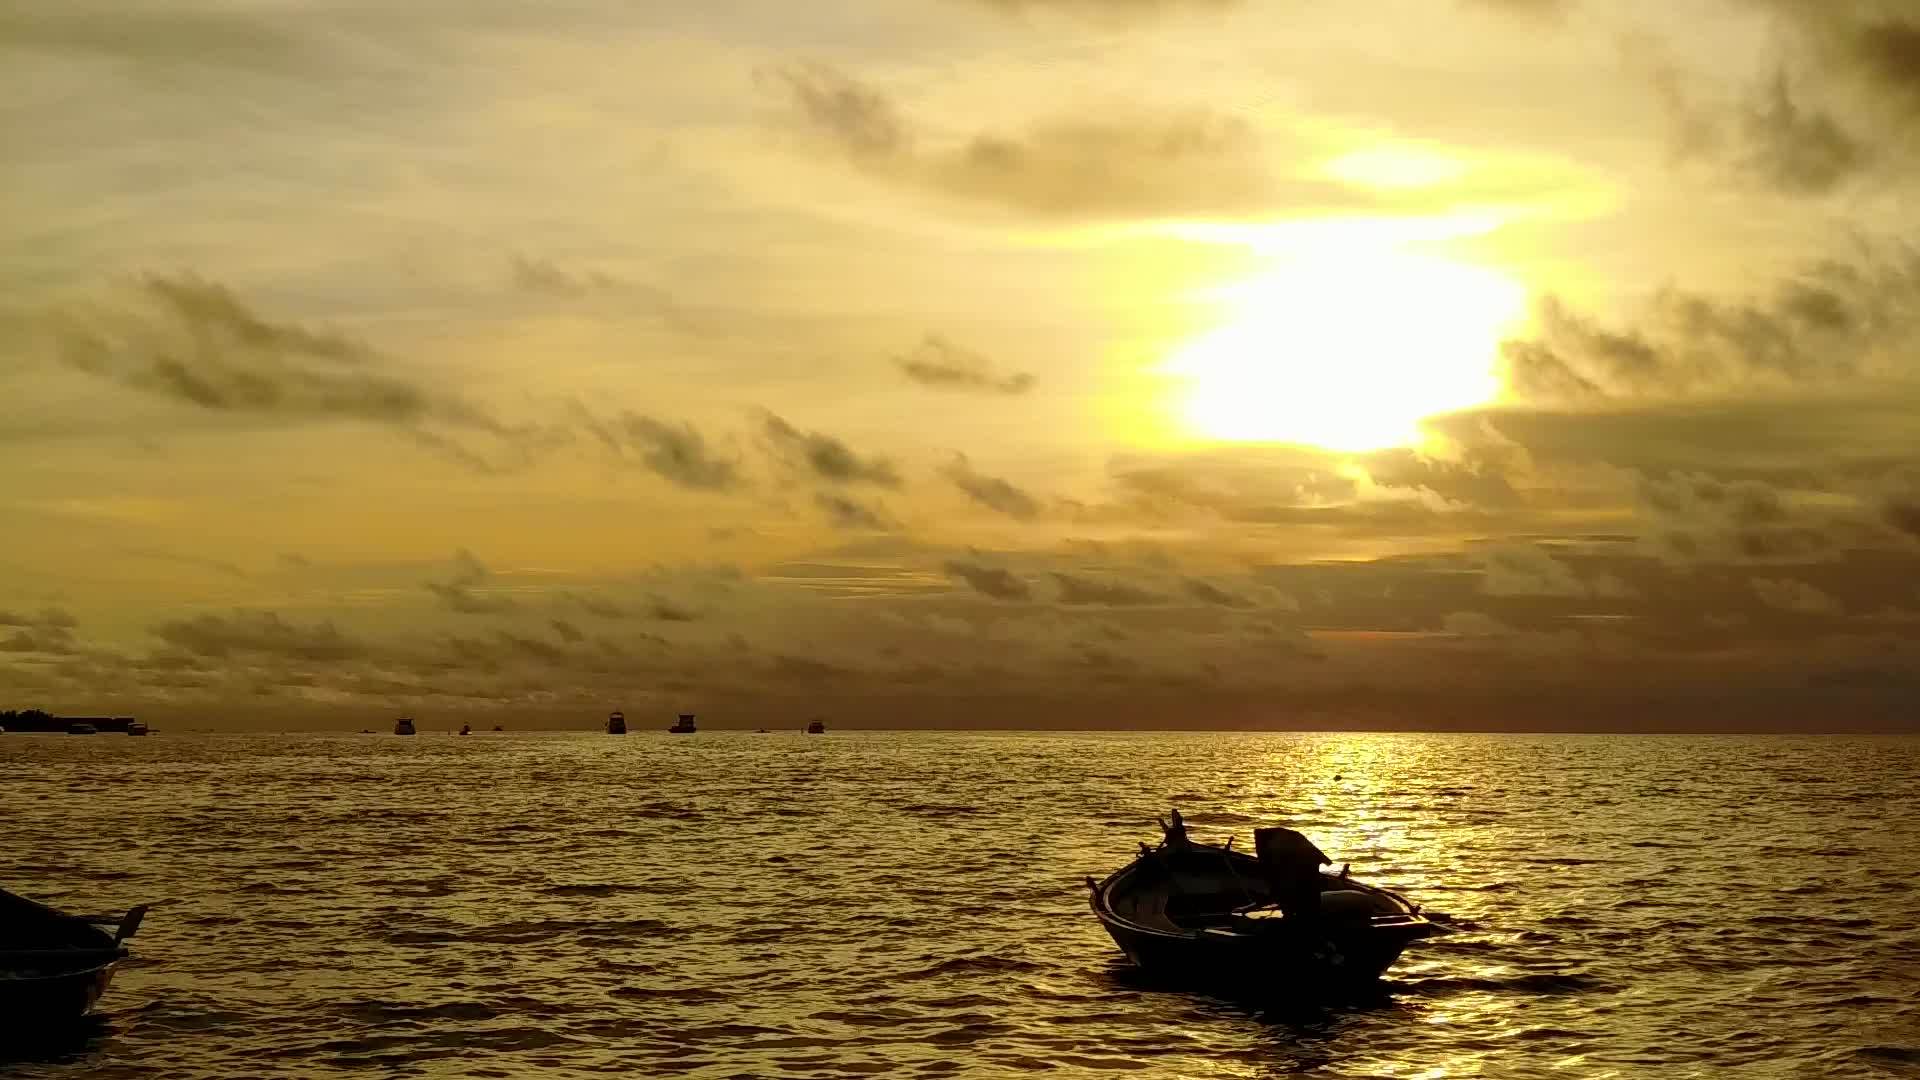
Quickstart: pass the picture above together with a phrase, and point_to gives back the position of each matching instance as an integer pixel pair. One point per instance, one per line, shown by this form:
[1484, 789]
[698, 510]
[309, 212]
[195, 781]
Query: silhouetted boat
[616, 723]
[136, 728]
[82, 729]
[816, 727]
[54, 966]
[684, 725]
[466, 729]
[403, 726]
[1276, 924]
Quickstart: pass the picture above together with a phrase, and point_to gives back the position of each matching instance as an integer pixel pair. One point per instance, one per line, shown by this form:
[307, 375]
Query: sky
[1190, 363]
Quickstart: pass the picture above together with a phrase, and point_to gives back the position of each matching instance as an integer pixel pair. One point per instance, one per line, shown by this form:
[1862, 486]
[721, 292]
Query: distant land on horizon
[1617, 713]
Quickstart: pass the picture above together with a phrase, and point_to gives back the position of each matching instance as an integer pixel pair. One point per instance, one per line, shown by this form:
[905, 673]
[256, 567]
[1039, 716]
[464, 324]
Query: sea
[913, 904]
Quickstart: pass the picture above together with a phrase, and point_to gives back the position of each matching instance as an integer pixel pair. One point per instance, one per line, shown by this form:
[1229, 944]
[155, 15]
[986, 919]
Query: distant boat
[54, 966]
[816, 727]
[684, 725]
[497, 727]
[136, 728]
[403, 726]
[759, 731]
[466, 729]
[82, 729]
[616, 723]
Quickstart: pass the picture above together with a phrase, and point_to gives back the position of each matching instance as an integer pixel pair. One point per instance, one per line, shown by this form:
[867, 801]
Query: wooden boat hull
[38, 1002]
[1192, 913]
[53, 966]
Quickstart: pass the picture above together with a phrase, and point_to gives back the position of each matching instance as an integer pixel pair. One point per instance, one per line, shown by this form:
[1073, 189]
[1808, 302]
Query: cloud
[1799, 597]
[1209, 593]
[50, 618]
[457, 594]
[1796, 149]
[48, 632]
[1830, 320]
[1079, 589]
[1159, 162]
[568, 632]
[1529, 571]
[664, 610]
[259, 633]
[1110, 10]
[991, 491]
[676, 452]
[1474, 624]
[991, 581]
[826, 457]
[860, 119]
[846, 513]
[192, 341]
[1697, 518]
[1476, 483]
[544, 277]
[940, 363]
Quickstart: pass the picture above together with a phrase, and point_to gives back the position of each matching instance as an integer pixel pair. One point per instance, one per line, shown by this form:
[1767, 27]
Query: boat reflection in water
[616, 723]
[684, 725]
[1272, 923]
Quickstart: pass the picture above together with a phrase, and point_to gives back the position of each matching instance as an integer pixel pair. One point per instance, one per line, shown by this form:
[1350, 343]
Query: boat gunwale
[1104, 909]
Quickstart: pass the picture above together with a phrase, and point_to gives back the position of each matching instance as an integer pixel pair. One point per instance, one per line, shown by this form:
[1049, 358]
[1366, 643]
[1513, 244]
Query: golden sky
[1185, 362]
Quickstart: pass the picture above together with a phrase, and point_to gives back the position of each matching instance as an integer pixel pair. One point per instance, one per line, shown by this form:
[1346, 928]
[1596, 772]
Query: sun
[1346, 347]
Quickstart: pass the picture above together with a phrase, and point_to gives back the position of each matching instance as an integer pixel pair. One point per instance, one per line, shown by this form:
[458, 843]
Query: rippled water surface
[905, 904]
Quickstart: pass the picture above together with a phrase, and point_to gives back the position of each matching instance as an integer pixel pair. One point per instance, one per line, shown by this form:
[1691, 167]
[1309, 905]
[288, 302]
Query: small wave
[686, 995]
[939, 810]
[1540, 983]
[974, 965]
[1218, 817]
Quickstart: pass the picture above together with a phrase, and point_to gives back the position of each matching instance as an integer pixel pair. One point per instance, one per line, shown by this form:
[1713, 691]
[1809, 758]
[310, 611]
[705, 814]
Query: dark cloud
[1110, 10]
[1699, 518]
[860, 119]
[991, 581]
[1795, 148]
[1788, 594]
[846, 513]
[1209, 593]
[938, 362]
[192, 341]
[1529, 571]
[676, 452]
[1079, 589]
[1478, 483]
[50, 618]
[594, 605]
[218, 566]
[664, 610]
[38, 638]
[544, 277]
[568, 632]
[1831, 320]
[1152, 162]
[261, 633]
[457, 593]
[827, 457]
[1143, 163]
[991, 491]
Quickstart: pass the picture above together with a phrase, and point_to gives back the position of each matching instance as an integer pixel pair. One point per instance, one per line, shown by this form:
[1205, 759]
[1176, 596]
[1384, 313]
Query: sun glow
[1347, 347]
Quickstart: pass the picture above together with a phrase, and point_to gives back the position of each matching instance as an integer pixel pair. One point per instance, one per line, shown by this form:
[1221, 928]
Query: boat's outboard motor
[1291, 864]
